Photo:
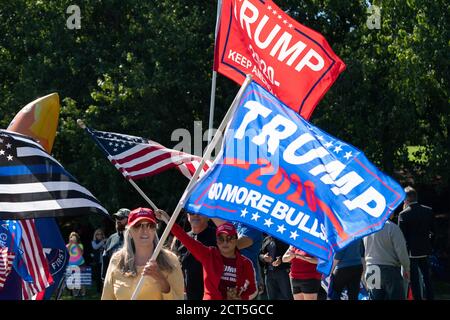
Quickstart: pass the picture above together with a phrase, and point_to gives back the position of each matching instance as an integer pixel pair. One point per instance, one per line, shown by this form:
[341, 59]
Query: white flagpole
[150, 202]
[214, 77]
[193, 180]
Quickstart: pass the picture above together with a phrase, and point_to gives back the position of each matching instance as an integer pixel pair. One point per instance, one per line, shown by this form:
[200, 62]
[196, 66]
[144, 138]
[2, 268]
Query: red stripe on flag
[137, 154]
[151, 162]
[191, 168]
[151, 173]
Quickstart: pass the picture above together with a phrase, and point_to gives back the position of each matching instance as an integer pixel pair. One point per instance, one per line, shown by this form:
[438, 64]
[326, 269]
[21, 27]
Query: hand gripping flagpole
[83, 126]
[214, 76]
[193, 180]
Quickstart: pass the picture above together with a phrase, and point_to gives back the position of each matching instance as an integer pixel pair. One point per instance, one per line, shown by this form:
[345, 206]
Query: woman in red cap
[227, 274]
[165, 278]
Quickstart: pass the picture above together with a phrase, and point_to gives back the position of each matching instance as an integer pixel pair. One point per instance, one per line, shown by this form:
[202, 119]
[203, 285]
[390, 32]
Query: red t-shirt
[301, 269]
[228, 279]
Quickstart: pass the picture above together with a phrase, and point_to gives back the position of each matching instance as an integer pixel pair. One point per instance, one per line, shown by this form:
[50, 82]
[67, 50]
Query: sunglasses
[226, 239]
[144, 226]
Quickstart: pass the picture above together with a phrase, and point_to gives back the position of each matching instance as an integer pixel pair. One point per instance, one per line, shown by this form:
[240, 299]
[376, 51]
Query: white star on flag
[290, 25]
[244, 212]
[1, 140]
[348, 155]
[281, 228]
[274, 12]
[255, 216]
[338, 149]
[8, 146]
[10, 157]
[320, 138]
[269, 7]
[2, 152]
[328, 144]
[268, 222]
[110, 143]
[279, 17]
[285, 21]
[294, 235]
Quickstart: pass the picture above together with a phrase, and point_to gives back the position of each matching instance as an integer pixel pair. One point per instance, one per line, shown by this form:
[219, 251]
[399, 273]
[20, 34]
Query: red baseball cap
[141, 214]
[227, 228]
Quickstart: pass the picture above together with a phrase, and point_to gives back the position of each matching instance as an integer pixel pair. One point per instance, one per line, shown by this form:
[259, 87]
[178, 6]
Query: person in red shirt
[305, 280]
[227, 275]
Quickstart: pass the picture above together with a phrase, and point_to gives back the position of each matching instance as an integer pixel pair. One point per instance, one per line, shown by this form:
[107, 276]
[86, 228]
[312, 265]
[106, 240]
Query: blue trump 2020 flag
[288, 178]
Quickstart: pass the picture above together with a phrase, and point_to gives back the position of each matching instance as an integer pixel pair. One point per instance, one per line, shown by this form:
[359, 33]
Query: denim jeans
[389, 285]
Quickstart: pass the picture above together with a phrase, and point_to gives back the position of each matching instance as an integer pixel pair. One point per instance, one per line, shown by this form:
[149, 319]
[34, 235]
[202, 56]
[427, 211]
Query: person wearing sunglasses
[164, 278]
[227, 275]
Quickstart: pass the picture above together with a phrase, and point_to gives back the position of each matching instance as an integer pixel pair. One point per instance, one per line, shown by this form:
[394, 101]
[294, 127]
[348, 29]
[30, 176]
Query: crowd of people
[219, 260]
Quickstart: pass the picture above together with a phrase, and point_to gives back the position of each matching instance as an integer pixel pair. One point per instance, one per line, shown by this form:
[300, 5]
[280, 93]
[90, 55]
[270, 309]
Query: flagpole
[214, 76]
[193, 180]
[84, 127]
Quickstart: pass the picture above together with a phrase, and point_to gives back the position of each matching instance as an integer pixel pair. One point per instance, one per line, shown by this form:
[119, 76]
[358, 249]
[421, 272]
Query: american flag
[35, 261]
[35, 185]
[6, 261]
[20, 247]
[136, 157]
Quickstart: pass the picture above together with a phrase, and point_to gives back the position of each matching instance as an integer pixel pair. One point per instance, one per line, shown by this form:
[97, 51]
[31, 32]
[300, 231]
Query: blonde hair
[76, 235]
[126, 255]
[99, 230]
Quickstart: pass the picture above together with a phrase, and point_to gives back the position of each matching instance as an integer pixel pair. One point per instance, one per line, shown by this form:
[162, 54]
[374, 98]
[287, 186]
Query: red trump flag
[293, 62]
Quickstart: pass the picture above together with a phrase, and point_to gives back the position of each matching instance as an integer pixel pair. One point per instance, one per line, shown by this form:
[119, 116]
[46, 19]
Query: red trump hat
[227, 228]
[141, 214]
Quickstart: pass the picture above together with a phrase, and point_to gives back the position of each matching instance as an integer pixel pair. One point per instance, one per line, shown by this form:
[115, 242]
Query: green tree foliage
[144, 68]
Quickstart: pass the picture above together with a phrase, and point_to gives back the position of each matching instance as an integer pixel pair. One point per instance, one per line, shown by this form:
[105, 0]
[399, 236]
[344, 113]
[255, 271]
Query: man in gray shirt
[385, 254]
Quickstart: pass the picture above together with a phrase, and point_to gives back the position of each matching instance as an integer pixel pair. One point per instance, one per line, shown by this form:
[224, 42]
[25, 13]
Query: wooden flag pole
[193, 180]
[150, 202]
